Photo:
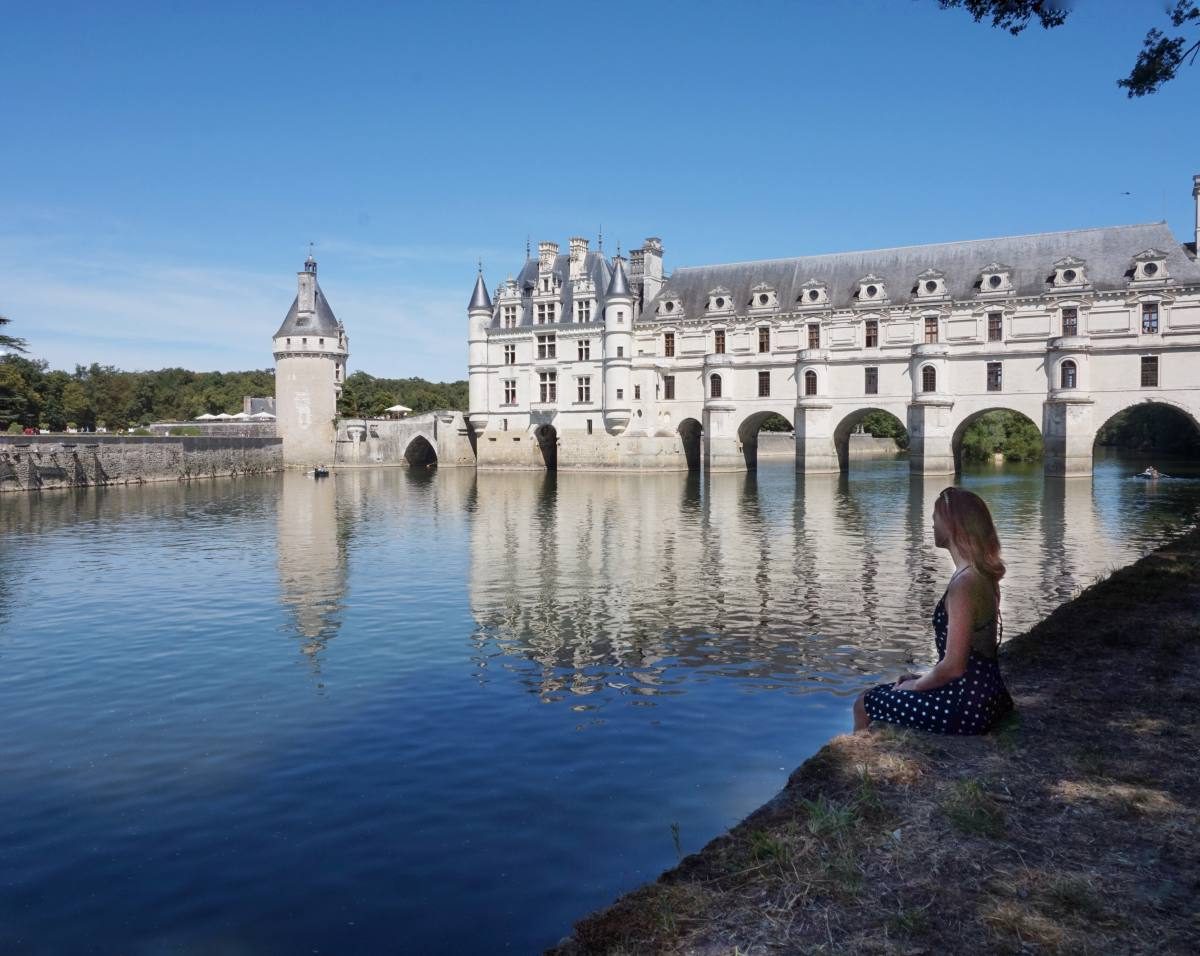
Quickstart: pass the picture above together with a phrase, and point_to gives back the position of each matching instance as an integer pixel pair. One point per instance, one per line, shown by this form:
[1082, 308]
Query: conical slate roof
[619, 284]
[480, 298]
[322, 322]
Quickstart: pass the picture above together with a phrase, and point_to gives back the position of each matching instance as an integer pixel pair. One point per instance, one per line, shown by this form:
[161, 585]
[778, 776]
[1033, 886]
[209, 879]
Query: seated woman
[964, 692]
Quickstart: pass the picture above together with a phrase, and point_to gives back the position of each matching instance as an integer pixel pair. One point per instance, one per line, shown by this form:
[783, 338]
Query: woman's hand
[906, 682]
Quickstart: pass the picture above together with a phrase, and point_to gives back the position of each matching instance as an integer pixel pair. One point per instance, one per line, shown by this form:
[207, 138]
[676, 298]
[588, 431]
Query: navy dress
[970, 704]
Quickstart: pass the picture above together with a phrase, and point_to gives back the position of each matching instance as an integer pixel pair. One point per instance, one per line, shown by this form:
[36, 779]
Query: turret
[479, 313]
[311, 350]
[1196, 199]
[618, 348]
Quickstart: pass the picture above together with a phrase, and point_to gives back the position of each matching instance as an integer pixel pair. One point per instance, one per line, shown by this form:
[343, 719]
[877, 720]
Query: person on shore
[963, 693]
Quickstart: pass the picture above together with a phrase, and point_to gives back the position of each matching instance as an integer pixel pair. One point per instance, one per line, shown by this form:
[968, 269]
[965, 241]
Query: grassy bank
[1075, 828]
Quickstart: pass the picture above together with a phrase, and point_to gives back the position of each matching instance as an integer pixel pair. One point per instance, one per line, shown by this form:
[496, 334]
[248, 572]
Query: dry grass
[1075, 828]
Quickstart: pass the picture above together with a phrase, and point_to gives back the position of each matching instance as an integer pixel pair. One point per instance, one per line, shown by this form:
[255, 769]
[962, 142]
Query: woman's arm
[961, 600]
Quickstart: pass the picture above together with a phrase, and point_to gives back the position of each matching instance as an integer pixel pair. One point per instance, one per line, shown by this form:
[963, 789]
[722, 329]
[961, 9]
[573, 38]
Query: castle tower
[618, 350]
[479, 314]
[311, 349]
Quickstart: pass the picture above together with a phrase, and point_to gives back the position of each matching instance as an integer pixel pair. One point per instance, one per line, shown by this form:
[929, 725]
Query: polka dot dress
[969, 704]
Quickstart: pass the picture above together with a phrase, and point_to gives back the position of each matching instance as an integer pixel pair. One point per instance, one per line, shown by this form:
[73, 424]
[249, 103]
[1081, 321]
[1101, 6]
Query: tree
[1158, 62]
[10, 342]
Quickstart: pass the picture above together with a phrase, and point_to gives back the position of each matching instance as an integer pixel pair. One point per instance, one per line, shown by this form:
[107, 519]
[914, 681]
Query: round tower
[618, 350]
[479, 314]
[311, 349]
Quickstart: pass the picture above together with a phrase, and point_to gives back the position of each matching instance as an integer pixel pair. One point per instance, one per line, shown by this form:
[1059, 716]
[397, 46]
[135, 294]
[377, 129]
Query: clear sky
[164, 165]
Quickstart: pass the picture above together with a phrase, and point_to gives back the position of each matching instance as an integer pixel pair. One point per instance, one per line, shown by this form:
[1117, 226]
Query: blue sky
[164, 165]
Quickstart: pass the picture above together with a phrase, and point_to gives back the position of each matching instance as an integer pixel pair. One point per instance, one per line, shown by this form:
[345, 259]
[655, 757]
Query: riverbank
[1072, 829]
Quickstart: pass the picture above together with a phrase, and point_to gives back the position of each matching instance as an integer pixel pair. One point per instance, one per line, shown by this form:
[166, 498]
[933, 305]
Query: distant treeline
[31, 395]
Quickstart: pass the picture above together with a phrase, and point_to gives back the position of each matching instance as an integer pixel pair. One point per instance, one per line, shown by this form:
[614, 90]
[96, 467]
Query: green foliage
[883, 425]
[15, 428]
[775, 423]
[364, 395]
[1008, 433]
[1151, 428]
[1158, 62]
[10, 341]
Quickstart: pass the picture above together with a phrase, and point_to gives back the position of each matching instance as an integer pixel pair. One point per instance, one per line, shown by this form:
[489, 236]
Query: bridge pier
[1068, 432]
[723, 449]
[931, 436]
[815, 450]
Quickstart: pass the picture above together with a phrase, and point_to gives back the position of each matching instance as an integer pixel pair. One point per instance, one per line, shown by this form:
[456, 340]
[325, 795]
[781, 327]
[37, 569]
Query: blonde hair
[970, 527]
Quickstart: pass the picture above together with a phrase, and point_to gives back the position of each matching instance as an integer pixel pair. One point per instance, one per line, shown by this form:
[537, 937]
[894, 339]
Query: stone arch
[691, 434]
[547, 439]
[420, 452]
[961, 428]
[748, 432]
[1191, 415]
[844, 428]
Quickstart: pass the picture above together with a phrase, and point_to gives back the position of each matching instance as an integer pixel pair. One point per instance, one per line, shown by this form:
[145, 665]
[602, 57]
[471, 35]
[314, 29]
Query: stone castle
[584, 361]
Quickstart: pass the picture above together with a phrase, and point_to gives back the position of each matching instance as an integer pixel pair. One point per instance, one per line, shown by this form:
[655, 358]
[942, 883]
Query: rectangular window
[1149, 316]
[510, 355]
[871, 385]
[931, 330]
[669, 344]
[1070, 321]
[764, 339]
[871, 334]
[589, 423]
[637, 393]
[546, 347]
[548, 385]
[504, 424]
[620, 394]
[510, 316]
[620, 351]
[1149, 371]
[668, 387]
[764, 384]
[583, 311]
[510, 391]
[583, 388]
[620, 317]
[550, 311]
[993, 376]
[719, 341]
[814, 336]
[541, 313]
[585, 350]
[995, 326]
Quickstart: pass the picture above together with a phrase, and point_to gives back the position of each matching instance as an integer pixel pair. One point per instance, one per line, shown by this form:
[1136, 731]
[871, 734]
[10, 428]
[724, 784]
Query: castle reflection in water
[633, 584]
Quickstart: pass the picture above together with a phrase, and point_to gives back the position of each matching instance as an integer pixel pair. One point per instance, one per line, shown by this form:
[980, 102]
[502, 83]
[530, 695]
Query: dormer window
[931, 284]
[669, 303]
[1149, 266]
[720, 300]
[763, 298]
[871, 290]
[813, 293]
[995, 278]
[1070, 272]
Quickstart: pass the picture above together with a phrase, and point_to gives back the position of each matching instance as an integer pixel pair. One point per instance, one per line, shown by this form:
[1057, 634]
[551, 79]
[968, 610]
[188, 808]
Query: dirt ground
[1074, 828]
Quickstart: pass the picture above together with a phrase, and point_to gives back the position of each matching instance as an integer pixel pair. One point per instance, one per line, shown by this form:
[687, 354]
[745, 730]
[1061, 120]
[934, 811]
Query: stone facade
[41, 462]
[575, 363]
[440, 438]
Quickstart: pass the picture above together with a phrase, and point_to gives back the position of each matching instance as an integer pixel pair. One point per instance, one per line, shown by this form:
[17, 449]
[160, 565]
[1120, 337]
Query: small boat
[1151, 474]
[320, 471]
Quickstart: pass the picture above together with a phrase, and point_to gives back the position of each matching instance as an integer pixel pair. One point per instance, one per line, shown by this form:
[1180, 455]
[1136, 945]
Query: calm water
[443, 712]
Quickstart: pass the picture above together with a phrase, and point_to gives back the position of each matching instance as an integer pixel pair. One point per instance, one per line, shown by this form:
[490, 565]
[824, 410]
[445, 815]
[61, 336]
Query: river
[431, 711]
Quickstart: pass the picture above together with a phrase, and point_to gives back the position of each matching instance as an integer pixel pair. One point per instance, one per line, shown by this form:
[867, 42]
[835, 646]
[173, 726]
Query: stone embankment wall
[37, 462]
[215, 429]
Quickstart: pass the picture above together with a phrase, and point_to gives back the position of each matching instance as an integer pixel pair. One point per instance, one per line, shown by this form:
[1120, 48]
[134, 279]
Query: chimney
[636, 260]
[547, 252]
[306, 289]
[579, 250]
[652, 268]
[1196, 197]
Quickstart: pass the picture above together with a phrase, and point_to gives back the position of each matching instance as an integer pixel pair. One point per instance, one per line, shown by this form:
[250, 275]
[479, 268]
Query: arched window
[929, 379]
[714, 386]
[810, 382]
[1067, 374]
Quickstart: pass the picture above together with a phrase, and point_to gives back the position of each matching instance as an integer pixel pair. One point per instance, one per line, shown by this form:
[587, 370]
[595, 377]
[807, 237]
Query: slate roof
[595, 265]
[480, 298]
[619, 286]
[322, 323]
[1108, 252]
